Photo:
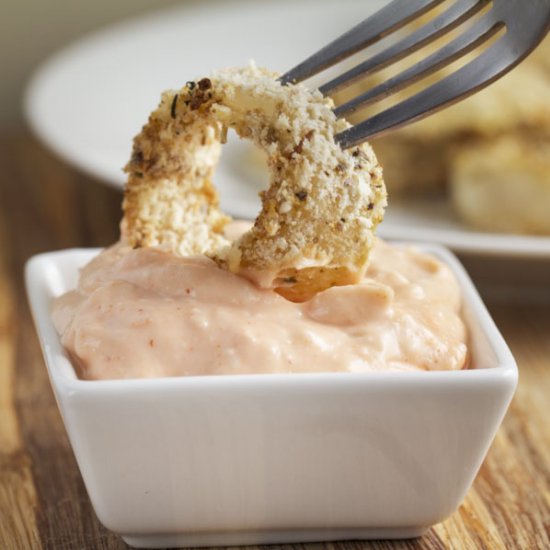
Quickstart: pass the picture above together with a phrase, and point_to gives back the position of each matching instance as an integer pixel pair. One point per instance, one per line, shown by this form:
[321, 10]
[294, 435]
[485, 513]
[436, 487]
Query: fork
[525, 23]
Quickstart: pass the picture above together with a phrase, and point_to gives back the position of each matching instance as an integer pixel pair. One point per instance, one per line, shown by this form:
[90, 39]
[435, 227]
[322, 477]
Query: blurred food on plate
[503, 184]
[490, 154]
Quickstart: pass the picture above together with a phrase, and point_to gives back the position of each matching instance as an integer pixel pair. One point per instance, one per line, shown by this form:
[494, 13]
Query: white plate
[88, 101]
[433, 220]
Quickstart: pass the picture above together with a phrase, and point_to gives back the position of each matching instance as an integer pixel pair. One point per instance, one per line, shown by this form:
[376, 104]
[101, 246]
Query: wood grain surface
[46, 205]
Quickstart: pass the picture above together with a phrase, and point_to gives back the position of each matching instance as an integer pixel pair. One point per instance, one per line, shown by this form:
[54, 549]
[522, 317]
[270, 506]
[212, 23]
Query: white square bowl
[246, 459]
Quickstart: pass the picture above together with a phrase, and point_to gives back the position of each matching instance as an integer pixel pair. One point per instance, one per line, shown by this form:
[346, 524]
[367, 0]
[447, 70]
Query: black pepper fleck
[173, 107]
[204, 84]
[340, 167]
[137, 156]
[271, 136]
[301, 195]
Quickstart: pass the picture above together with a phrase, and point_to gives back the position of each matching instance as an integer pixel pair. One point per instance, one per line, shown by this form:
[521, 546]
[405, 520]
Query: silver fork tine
[390, 18]
[486, 68]
[466, 42]
[429, 32]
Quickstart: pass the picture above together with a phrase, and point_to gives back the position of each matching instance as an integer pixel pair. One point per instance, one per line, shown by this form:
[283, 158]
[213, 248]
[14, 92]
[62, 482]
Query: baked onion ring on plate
[318, 217]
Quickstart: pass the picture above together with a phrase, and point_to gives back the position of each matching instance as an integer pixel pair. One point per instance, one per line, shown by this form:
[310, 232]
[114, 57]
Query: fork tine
[383, 22]
[455, 49]
[445, 22]
[483, 70]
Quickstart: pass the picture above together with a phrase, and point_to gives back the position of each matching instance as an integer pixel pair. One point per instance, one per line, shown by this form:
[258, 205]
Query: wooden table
[45, 205]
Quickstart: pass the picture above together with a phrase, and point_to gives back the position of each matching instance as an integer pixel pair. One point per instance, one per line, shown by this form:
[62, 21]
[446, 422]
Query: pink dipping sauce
[146, 313]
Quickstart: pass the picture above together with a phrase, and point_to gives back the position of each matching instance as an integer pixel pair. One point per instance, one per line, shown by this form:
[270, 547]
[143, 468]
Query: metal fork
[525, 23]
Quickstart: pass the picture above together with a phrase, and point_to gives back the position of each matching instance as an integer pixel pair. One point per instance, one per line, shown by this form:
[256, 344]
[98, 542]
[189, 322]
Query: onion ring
[318, 217]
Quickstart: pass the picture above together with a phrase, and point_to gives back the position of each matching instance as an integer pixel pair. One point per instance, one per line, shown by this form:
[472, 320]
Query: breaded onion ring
[318, 217]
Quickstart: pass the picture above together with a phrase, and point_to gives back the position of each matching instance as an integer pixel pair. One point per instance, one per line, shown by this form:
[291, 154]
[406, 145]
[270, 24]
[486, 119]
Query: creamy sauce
[147, 313]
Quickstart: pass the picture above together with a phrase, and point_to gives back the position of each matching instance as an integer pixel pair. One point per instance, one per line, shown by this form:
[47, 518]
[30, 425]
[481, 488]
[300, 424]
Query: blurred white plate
[433, 220]
[87, 102]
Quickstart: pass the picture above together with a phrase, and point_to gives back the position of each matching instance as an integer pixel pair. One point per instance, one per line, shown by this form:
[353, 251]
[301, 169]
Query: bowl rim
[65, 380]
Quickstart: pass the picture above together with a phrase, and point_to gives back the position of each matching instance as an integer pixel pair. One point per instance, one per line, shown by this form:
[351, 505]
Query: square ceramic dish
[252, 459]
